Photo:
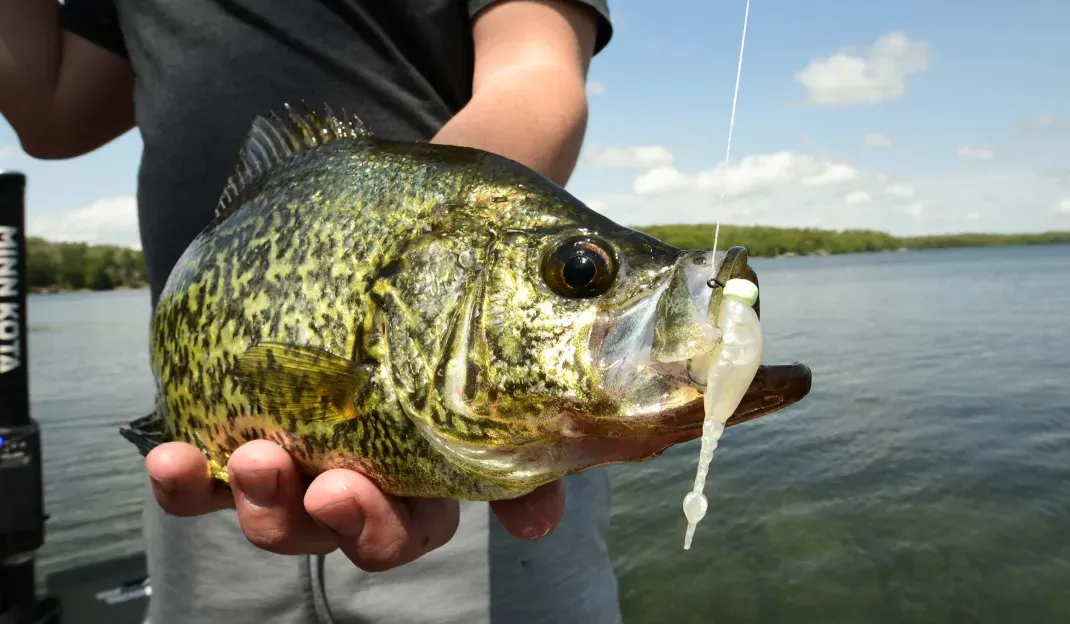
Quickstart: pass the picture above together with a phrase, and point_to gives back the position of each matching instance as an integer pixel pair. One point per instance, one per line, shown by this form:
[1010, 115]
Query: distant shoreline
[56, 290]
[771, 242]
[57, 267]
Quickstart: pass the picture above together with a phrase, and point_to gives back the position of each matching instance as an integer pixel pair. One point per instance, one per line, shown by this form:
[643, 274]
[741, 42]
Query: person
[506, 76]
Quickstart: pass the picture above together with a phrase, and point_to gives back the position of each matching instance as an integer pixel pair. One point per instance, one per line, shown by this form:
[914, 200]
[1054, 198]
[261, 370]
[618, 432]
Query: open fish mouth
[660, 386]
[612, 441]
[774, 388]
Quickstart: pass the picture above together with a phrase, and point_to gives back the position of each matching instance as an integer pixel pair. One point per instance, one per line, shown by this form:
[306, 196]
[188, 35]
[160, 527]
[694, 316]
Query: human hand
[341, 509]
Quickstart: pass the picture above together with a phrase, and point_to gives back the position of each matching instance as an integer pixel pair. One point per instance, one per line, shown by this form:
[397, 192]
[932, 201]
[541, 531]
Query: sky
[911, 116]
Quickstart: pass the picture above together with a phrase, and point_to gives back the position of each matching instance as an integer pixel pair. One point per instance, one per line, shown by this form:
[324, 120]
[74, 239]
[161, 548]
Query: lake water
[926, 477]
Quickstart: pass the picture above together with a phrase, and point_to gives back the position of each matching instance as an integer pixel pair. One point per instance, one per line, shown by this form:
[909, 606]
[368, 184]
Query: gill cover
[424, 326]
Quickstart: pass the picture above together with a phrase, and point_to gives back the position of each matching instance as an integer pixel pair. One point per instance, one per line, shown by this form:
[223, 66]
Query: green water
[925, 479]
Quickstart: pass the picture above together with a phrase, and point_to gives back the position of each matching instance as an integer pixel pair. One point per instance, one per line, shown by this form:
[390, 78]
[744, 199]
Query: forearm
[538, 117]
[63, 95]
[29, 58]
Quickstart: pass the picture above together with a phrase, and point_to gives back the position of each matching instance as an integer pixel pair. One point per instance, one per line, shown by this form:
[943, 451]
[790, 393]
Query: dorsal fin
[275, 138]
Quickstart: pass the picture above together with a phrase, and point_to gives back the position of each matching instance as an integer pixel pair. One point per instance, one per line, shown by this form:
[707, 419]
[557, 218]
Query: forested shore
[61, 266]
[55, 266]
[774, 241]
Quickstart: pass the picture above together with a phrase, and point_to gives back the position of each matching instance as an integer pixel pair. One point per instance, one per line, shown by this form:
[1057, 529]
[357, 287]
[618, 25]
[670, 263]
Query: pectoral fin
[301, 382]
[146, 432]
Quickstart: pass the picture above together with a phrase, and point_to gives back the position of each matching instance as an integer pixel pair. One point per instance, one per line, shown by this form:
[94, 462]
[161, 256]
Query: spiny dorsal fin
[276, 138]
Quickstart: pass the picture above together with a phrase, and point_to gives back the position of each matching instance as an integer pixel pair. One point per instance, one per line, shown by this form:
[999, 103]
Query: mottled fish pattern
[391, 308]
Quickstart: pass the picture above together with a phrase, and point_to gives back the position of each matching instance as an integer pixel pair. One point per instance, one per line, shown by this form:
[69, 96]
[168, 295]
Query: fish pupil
[579, 271]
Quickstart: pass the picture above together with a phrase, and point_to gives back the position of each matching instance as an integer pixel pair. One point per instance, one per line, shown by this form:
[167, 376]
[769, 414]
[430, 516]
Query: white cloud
[641, 157]
[750, 175]
[664, 179]
[790, 189]
[900, 190]
[831, 173]
[877, 75]
[977, 153]
[877, 140]
[857, 197]
[595, 87]
[111, 220]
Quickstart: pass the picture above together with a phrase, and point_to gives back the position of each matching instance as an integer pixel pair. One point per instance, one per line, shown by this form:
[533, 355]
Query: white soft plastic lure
[732, 367]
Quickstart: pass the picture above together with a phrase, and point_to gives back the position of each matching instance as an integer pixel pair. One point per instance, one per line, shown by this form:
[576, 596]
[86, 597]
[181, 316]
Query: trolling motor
[22, 517]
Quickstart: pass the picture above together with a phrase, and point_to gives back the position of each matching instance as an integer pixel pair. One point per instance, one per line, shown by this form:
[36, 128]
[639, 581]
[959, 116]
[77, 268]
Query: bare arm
[529, 100]
[63, 95]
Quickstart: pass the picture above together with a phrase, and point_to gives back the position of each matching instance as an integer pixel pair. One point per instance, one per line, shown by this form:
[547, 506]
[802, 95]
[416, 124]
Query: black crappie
[442, 319]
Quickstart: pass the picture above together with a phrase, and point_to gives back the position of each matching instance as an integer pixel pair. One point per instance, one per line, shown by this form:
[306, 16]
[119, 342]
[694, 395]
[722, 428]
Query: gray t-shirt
[204, 69]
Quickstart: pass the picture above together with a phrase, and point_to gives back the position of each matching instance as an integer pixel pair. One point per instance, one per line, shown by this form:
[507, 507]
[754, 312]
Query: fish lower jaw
[588, 444]
[582, 452]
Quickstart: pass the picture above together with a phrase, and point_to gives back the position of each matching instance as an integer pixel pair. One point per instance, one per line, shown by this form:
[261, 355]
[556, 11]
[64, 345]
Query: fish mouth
[660, 389]
[774, 387]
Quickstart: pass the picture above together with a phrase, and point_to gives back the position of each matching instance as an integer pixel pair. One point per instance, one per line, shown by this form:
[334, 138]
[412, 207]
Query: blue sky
[966, 106]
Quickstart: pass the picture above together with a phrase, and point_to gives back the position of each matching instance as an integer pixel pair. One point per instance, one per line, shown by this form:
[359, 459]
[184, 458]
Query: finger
[379, 532]
[534, 515]
[181, 481]
[267, 493]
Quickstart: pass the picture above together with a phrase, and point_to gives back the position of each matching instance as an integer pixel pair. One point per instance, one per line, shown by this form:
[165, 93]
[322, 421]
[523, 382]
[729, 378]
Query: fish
[444, 320]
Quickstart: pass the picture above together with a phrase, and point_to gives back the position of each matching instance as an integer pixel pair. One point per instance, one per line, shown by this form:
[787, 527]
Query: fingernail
[535, 531]
[259, 486]
[166, 485]
[343, 517]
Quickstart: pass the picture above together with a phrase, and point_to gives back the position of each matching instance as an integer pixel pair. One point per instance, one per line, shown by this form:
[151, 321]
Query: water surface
[926, 478]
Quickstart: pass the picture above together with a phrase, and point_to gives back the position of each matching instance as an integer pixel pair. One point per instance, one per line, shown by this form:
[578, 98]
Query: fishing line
[728, 146]
[730, 371]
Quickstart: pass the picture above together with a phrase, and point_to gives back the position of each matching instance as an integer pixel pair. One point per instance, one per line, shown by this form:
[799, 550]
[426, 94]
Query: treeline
[773, 241]
[80, 266]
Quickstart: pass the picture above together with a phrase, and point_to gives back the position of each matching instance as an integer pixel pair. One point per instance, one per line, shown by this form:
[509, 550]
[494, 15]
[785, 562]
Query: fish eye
[579, 268]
